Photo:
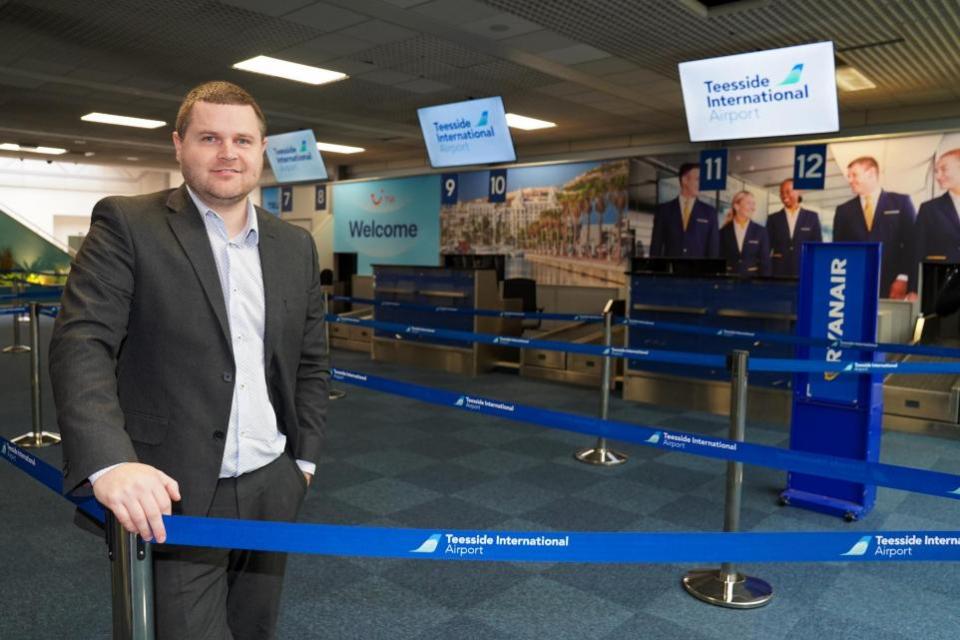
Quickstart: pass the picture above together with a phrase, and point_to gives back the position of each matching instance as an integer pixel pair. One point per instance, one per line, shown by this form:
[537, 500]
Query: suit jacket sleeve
[713, 236]
[87, 336]
[907, 261]
[312, 392]
[766, 266]
[656, 242]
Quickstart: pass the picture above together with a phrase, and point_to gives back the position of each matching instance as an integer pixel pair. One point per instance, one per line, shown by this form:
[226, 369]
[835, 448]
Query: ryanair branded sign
[840, 311]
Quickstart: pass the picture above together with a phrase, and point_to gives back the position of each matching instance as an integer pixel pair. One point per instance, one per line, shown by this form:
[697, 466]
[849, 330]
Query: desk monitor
[680, 266]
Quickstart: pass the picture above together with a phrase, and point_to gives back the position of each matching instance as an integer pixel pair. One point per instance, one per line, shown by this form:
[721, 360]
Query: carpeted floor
[395, 462]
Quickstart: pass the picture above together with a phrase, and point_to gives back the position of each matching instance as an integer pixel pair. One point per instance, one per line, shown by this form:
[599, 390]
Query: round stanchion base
[336, 394]
[601, 456]
[32, 441]
[735, 591]
[17, 348]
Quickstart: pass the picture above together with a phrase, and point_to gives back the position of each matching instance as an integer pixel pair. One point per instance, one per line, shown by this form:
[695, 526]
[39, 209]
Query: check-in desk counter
[721, 302]
[352, 337]
[576, 368]
[461, 289]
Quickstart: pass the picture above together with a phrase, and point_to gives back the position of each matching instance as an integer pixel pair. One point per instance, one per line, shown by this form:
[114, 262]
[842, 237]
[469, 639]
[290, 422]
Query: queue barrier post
[131, 582]
[600, 454]
[333, 394]
[727, 587]
[37, 438]
[17, 346]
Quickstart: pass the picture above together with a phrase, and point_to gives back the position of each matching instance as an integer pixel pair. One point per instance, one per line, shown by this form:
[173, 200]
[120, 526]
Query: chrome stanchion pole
[600, 454]
[17, 346]
[38, 437]
[727, 587]
[334, 394]
[131, 583]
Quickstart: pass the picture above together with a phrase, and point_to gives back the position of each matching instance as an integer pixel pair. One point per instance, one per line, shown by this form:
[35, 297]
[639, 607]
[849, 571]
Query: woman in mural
[744, 244]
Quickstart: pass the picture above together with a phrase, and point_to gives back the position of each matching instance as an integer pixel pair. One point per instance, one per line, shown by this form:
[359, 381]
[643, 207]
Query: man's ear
[177, 142]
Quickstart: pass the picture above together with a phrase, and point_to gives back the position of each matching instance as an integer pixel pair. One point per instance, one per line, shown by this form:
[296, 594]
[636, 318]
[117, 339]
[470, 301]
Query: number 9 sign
[449, 186]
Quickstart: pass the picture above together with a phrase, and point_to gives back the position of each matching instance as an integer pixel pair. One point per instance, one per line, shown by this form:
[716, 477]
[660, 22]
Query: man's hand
[308, 477]
[138, 495]
[898, 289]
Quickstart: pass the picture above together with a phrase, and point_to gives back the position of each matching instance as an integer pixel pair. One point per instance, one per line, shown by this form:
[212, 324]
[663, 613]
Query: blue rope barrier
[655, 355]
[11, 311]
[33, 294]
[874, 473]
[677, 327]
[528, 546]
[652, 355]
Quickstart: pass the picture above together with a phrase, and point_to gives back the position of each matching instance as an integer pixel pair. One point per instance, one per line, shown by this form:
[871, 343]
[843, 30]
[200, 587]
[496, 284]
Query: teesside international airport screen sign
[462, 133]
[780, 92]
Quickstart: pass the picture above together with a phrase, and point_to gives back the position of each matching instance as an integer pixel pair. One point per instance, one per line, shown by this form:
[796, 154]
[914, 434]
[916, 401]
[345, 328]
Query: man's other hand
[138, 495]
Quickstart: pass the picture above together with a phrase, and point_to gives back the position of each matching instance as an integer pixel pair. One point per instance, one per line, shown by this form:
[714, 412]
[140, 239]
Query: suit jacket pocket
[145, 428]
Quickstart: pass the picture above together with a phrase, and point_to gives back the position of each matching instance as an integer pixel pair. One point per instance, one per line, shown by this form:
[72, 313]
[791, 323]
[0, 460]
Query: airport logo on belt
[476, 543]
[898, 547]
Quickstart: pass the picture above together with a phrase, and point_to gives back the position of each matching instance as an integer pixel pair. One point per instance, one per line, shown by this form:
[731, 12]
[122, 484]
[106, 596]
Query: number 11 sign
[713, 170]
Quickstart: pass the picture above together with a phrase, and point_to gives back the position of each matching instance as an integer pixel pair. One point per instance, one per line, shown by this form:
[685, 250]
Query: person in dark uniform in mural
[685, 227]
[788, 229]
[877, 215]
[938, 222]
[744, 243]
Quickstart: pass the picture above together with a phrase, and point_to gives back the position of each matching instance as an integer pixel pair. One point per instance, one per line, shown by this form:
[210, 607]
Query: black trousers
[222, 594]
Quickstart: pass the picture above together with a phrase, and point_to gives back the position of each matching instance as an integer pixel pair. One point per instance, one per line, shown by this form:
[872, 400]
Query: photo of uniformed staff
[788, 229]
[877, 215]
[686, 227]
[744, 243]
[938, 222]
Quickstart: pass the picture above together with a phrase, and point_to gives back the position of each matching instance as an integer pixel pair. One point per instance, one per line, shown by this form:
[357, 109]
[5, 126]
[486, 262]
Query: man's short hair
[866, 161]
[217, 92]
[687, 167]
[952, 153]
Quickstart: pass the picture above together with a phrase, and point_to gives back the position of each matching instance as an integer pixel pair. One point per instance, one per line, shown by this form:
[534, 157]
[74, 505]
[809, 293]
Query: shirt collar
[251, 231]
[874, 197]
[792, 212]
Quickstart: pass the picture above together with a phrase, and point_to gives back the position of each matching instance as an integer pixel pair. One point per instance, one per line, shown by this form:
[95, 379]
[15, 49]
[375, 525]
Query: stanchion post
[131, 583]
[38, 437]
[17, 346]
[600, 454]
[326, 281]
[727, 587]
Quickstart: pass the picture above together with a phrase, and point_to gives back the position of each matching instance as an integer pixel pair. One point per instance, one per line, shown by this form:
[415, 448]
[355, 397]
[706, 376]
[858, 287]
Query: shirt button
[227, 376]
[218, 435]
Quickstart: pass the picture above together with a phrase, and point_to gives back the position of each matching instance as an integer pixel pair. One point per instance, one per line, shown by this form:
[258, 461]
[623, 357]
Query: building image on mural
[568, 219]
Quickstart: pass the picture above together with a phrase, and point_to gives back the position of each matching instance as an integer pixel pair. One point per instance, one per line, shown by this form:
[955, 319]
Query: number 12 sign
[810, 166]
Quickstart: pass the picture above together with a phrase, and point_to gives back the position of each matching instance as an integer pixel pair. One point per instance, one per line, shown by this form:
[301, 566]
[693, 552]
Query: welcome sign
[388, 221]
[780, 92]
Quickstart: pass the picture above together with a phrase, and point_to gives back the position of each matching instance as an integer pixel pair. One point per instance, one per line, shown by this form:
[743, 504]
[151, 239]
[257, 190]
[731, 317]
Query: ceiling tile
[379, 32]
[561, 89]
[387, 77]
[537, 41]
[272, 8]
[405, 4]
[606, 66]
[576, 54]
[423, 85]
[325, 17]
[335, 43]
[456, 11]
[500, 26]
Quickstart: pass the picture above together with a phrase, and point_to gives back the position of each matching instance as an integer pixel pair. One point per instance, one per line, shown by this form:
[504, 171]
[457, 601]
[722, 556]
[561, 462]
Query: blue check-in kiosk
[837, 414]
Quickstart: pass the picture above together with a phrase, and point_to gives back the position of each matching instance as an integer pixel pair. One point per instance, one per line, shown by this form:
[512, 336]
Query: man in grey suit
[189, 369]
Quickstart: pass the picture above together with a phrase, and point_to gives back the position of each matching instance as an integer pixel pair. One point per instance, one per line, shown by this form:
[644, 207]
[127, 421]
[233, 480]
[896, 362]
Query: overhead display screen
[294, 157]
[464, 133]
[780, 92]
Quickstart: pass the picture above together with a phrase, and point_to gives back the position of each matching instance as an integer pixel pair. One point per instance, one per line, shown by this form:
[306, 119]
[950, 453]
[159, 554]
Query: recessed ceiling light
[133, 158]
[852, 79]
[527, 124]
[89, 154]
[289, 70]
[50, 151]
[338, 148]
[123, 121]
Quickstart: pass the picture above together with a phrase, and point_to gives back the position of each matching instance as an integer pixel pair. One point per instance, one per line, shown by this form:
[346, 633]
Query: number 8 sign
[449, 185]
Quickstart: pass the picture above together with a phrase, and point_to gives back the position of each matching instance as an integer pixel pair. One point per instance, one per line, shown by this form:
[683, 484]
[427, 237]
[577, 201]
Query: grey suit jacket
[141, 359]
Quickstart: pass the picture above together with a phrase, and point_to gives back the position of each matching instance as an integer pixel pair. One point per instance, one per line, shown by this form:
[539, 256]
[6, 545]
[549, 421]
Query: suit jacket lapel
[188, 226]
[271, 254]
[950, 211]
